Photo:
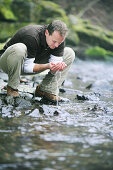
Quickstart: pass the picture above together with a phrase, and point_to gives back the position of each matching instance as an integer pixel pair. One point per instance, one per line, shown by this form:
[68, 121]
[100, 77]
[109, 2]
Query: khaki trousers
[12, 60]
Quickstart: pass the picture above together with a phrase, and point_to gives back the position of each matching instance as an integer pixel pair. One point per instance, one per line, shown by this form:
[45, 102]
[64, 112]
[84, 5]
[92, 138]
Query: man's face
[54, 40]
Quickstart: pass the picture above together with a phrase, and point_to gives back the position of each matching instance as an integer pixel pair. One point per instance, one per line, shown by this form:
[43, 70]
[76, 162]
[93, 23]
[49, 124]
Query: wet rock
[79, 78]
[91, 97]
[35, 113]
[82, 97]
[26, 88]
[7, 111]
[17, 113]
[28, 96]
[52, 111]
[97, 108]
[22, 103]
[89, 86]
[41, 110]
[10, 100]
[48, 102]
[62, 90]
[46, 110]
[0, 102]
[56, 113]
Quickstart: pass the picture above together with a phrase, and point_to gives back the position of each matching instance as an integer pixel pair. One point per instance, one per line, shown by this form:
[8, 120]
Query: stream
[74, 135]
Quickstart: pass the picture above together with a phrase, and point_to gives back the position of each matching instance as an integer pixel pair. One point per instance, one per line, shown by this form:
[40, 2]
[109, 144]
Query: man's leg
[51, 83]
[11, 62]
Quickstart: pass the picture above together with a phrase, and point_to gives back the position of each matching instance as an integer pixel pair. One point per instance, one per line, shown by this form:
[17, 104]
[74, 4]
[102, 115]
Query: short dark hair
[59, 26]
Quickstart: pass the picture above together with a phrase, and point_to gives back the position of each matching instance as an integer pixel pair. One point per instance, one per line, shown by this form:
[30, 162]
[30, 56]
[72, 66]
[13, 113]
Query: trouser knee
[69, 55]
[20, 50]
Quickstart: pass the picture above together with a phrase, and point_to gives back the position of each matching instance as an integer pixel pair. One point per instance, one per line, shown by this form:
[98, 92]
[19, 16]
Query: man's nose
[56, 44]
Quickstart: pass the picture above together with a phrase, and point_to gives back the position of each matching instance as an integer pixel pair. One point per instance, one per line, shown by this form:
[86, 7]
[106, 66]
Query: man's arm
[41, 67]
[52, 66]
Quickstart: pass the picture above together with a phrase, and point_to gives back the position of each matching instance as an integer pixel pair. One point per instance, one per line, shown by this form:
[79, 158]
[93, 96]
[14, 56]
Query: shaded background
[90, 23]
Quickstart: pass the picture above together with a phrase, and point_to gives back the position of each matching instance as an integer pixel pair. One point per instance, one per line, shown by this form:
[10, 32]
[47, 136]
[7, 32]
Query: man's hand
[57, 67]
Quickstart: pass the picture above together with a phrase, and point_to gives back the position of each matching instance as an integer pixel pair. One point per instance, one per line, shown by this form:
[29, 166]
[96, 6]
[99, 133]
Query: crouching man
[33, 49]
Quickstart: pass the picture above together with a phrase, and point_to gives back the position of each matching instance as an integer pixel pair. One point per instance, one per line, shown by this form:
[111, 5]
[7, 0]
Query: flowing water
[74, 135]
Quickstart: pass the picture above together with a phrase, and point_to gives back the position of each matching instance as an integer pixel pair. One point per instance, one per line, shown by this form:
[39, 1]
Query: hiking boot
[50, 97]
[12, 92]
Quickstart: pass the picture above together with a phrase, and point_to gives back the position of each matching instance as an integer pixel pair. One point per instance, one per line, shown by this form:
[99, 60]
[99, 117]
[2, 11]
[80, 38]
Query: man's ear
[46, 32]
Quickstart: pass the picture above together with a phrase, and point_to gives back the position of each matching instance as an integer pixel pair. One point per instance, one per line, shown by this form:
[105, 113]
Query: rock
[9, 100]
[35, 113]
[89, 86]
[7, 111]
[22, 103]
[91, 97]
[56, 113]
[0, 102]
[62, 90]
[41, 110]
[82, 97]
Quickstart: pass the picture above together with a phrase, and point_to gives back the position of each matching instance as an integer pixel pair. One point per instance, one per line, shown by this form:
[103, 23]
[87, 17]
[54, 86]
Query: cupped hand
[57, 67]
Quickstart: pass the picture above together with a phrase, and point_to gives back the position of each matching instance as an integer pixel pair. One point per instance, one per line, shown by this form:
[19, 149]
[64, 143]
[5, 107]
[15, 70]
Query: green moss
[99, 53]
[5, 10]
[8, 29]
[1, 45]
[93, 35]
[52, 11]
[72, 38]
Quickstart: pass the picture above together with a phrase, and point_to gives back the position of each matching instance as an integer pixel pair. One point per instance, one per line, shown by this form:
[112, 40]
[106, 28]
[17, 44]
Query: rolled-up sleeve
[28, 65]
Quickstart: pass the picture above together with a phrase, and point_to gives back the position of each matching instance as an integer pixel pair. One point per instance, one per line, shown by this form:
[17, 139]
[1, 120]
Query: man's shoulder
[32, 28]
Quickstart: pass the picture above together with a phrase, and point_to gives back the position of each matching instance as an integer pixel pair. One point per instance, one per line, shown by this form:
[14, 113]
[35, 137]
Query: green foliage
[98, 53]
[1, 45]
[93, 35]
[5, 10]
[8, 29]
[50, 11]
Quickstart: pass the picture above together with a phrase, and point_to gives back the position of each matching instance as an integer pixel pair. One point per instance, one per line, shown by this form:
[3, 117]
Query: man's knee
[69, 54]
[20, 50]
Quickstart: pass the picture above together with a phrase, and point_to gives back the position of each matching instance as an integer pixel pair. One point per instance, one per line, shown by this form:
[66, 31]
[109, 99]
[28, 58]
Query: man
[33, 49]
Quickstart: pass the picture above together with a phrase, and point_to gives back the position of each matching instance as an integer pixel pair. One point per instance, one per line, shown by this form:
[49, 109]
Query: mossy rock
[38, 11]
[72, 39]
[51, 11]
[26, 10]
[99, 53]
[6, 12]
[93, 35]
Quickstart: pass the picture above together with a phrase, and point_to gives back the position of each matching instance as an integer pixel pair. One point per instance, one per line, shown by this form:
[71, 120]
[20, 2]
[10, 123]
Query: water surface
[79, 137]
